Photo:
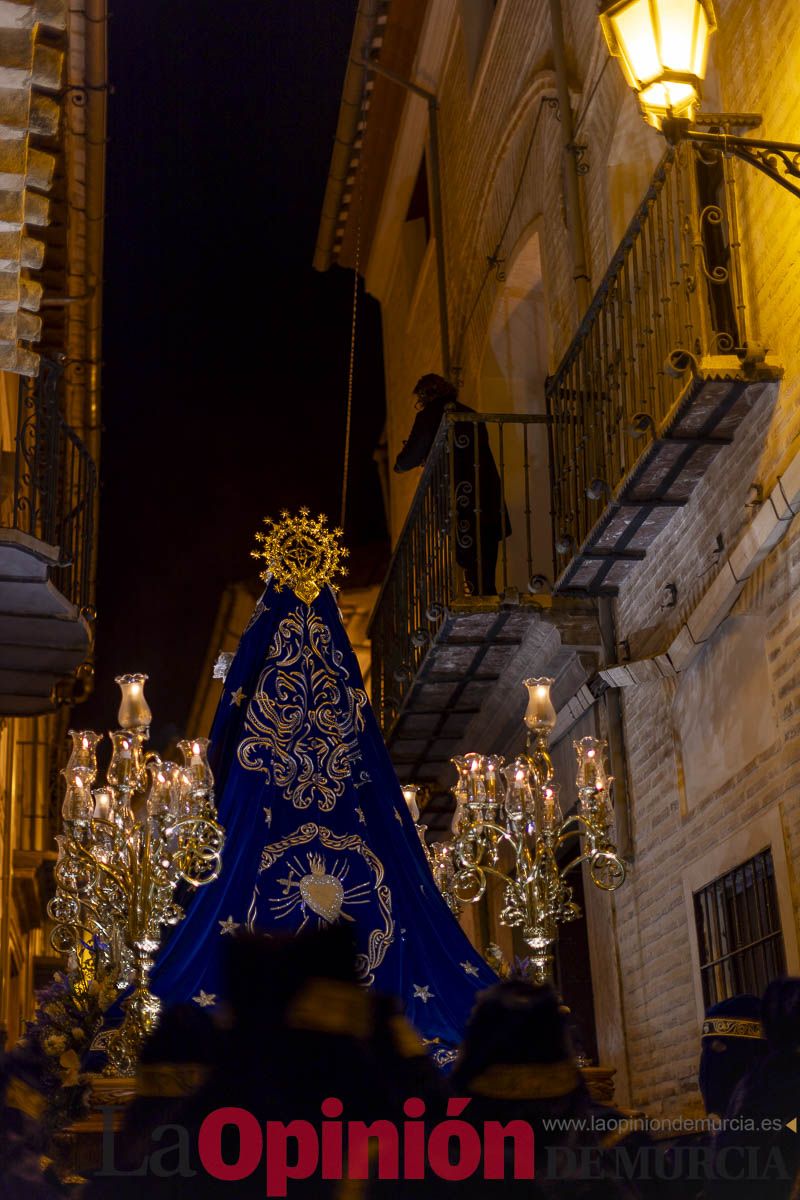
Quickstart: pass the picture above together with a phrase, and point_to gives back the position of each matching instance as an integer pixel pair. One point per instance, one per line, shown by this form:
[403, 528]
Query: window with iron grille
[739, 930]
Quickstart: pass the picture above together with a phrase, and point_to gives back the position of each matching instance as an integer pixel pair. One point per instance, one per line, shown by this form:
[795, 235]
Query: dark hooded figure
[756, 1142]
[731, 1041]
[517, 1064]
[482, 518]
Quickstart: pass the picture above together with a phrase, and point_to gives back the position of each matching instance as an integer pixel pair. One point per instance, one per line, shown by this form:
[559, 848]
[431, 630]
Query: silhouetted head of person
[430, 389]
[780, 1014]
[266, 973]
[515, 1023]
[732, 1040]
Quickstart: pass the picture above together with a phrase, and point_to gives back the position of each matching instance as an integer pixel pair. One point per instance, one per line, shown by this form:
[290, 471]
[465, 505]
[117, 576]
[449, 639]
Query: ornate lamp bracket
[779, 161]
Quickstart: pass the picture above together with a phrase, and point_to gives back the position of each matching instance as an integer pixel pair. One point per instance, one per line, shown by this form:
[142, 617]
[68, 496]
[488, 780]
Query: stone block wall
[502, 179]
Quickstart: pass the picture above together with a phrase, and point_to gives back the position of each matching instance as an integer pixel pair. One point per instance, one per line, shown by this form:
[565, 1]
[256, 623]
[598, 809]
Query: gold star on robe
[237, 697]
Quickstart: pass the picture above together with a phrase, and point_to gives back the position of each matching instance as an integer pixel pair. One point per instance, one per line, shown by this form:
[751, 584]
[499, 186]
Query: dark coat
[485, 490]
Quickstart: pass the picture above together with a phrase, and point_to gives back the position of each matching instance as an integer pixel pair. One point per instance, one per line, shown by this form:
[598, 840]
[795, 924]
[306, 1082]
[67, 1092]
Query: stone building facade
[52, 157]
[692, 667]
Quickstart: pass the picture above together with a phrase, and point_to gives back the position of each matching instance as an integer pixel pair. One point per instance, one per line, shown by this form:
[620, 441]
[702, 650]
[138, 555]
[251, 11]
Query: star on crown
[300, 552]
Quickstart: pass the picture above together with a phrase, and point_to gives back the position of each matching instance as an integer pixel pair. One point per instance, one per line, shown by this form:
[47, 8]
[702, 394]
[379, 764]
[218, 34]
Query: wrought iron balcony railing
[670, 308]
[52, 494]
[470, 537]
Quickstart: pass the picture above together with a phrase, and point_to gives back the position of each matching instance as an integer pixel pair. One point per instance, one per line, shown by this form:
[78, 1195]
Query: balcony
[655, 384]
[660, 375]
[47, 511]
[441, 655]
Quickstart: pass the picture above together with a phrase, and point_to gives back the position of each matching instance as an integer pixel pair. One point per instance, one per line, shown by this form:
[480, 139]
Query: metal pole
[438, 232]
[573, 199]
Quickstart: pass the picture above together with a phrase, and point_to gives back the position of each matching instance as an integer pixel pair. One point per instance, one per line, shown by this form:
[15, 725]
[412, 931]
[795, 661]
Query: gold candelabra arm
[198, 854]
[607, 870]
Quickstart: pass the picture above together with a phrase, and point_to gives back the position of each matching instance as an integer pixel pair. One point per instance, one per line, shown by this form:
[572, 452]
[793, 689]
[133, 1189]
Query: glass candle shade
[134, 711]
[82, 762]
[187, 796]
[121, 771]
[195, 758]
[78, 803]
[462, 767]
[159, 795]
[540, 716]
[410, 793]
[103, 805]
[591, 765]
[460, 820]
[442, 855]
[475, 778]
[519, 797]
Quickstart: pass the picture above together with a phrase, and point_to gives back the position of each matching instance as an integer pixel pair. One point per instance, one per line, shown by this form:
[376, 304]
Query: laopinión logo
[452, 1150]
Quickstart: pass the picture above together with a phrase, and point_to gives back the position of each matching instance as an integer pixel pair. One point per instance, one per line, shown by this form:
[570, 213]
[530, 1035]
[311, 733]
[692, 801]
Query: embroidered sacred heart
[323, 894]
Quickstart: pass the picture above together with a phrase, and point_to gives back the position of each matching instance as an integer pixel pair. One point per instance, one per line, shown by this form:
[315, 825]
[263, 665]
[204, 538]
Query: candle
[550, 811]
[103, 804]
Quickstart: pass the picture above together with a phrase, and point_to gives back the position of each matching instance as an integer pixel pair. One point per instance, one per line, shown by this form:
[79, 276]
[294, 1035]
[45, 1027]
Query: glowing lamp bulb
[662, 48]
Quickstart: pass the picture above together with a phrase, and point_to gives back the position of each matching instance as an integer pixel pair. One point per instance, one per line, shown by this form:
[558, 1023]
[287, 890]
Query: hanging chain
[354, 320]
[351, 373]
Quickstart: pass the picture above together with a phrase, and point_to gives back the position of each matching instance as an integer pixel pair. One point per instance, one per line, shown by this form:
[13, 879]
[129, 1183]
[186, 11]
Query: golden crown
[301, 553]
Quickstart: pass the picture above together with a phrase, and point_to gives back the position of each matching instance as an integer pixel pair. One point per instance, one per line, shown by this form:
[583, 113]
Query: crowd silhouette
[310, 1086]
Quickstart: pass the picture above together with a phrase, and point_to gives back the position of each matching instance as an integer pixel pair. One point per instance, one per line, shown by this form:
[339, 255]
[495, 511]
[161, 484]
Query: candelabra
[123, 850]
[508, 825]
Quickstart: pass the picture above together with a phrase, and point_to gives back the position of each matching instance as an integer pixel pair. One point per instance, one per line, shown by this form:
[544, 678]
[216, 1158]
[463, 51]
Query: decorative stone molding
[31, 69]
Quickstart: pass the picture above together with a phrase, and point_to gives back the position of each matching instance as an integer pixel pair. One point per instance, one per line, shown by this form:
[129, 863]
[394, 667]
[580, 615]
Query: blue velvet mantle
[317, 828]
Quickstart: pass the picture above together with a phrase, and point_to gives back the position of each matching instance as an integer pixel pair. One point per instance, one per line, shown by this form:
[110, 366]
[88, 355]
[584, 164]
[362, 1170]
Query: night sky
[225, 354]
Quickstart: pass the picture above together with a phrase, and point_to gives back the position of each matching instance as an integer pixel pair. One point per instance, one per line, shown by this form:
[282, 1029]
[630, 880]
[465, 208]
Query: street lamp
[662, 47]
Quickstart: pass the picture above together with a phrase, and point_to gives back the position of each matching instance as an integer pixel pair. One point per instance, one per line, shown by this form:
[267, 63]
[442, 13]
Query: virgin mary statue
[317, 830]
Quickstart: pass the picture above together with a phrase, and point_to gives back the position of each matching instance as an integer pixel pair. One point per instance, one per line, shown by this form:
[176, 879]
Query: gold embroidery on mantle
[380, 938]
[302, 724]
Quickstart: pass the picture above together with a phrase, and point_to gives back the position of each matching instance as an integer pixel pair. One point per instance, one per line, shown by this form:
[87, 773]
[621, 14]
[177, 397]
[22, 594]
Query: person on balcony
[481, 517]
